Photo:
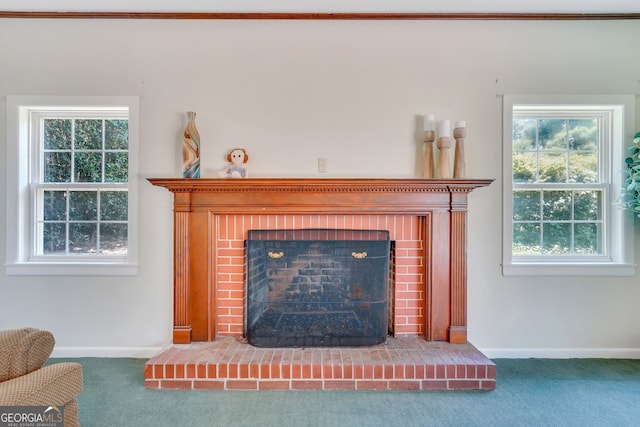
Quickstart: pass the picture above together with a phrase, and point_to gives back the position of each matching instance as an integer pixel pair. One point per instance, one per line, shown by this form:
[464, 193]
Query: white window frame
[618, 258]
[22, 157]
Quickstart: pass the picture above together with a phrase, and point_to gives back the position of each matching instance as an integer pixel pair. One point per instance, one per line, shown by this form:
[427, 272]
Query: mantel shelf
[319, 184]
[311, 195]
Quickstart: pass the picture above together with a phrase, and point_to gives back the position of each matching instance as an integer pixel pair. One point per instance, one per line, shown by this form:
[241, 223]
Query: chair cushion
[23, 350]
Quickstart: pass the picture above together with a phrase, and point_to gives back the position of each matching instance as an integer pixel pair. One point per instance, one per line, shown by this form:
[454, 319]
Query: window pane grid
[557, 221]
[79, 161]
[557, 185]
[98, 227]
[556, 150]
[81, 192]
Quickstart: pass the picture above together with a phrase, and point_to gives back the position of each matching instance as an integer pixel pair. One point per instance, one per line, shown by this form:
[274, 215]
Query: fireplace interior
[317, 288]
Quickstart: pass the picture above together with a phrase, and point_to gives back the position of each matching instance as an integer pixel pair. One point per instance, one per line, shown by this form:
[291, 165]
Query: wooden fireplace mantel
[441, 205]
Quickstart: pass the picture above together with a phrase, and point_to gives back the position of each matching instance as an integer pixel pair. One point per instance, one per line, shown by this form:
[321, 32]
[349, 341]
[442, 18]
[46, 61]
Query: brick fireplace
[425, 220]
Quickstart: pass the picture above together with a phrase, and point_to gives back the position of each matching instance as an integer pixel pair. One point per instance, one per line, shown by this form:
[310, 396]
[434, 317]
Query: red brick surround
[404, 230]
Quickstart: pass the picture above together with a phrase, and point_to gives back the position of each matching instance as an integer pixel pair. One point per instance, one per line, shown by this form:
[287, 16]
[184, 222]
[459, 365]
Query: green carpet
[530, 392]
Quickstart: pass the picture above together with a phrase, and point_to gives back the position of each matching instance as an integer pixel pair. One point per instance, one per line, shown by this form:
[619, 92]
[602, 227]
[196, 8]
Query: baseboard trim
[492, 353]
[561, 353]
[134, 352]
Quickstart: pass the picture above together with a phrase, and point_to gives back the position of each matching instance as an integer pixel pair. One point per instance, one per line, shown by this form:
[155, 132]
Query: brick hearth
[404, 363]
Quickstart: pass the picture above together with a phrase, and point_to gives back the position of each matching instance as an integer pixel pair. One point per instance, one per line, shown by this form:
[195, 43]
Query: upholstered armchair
[24, 381]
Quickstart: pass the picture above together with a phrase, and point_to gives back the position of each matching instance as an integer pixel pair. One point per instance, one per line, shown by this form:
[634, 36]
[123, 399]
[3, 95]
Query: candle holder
[427, 156]
[444, 160]
[459, 164]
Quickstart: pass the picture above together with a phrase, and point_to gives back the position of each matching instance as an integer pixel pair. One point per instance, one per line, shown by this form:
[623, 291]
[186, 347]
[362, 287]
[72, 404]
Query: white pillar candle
[460, 124]
[429, 122]
[445, 129]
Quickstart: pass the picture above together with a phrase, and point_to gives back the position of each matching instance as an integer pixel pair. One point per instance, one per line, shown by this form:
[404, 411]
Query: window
[71, 172]
[563, 173]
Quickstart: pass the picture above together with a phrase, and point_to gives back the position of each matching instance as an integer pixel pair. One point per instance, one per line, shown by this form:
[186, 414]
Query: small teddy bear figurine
[237, 158]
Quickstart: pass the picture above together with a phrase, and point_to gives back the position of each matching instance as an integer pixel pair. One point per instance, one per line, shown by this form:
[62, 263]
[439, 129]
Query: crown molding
[319, 16]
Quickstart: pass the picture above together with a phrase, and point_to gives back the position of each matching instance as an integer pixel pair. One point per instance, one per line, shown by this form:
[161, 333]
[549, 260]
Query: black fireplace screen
[317, 288]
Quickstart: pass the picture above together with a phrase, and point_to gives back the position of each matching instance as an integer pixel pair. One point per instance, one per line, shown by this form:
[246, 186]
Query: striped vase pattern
[191, 148]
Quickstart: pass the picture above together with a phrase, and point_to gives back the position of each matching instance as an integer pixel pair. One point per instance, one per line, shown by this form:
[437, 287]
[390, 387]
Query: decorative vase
[191, 148]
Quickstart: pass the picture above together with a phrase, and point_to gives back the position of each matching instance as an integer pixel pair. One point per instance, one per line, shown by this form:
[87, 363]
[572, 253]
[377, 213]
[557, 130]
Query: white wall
[329, 6]
[292, 91]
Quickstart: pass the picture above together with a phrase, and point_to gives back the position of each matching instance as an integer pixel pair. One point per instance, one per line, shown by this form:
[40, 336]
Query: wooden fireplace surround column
[440, 204]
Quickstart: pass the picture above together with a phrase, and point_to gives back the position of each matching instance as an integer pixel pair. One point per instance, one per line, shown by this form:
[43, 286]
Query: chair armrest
[52, 385]
[23, 351]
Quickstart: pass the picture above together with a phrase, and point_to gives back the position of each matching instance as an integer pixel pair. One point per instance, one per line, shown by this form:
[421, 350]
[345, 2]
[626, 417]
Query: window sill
[71, 269]
[568, 269]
